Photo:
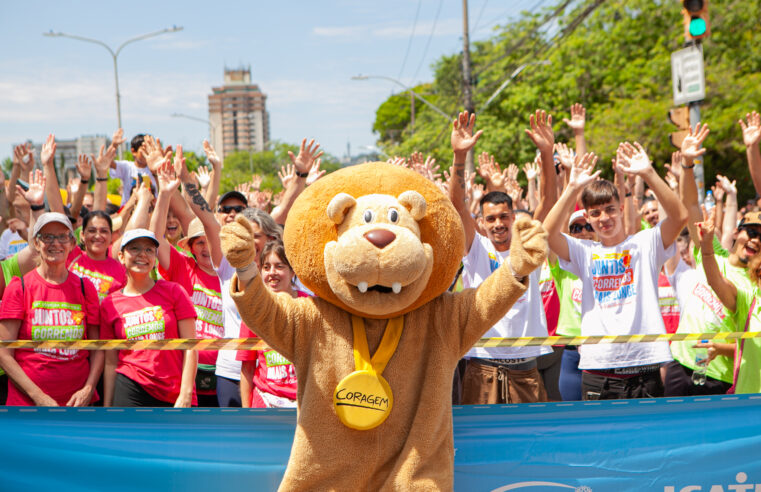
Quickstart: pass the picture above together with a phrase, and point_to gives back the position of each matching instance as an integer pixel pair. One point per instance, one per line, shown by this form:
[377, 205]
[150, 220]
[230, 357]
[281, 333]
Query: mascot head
[376, 239]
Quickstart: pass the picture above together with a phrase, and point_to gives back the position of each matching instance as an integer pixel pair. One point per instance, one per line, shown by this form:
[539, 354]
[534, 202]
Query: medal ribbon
[386, 349]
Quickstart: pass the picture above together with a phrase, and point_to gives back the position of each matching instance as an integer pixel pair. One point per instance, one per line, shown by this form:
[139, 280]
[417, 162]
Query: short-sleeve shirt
[205, 292]
[749, 365]
[620, 297]
[106, 275]
[227, 365]
[128, 173]
[525, 318]
[569, 288]
[51, 312]
[150, 316]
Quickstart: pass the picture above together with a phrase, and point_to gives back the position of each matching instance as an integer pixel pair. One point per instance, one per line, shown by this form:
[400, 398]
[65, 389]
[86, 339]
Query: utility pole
[467, 90]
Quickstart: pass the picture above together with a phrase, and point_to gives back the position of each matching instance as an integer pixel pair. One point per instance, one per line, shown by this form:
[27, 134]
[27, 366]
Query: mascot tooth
[374, 365]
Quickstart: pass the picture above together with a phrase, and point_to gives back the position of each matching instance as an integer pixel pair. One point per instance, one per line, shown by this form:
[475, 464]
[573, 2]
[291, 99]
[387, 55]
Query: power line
[480, 13]
[428, 43]
[412, 35]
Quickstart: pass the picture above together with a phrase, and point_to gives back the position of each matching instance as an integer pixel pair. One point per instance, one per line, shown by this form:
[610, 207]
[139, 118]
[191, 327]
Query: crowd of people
[635, 256]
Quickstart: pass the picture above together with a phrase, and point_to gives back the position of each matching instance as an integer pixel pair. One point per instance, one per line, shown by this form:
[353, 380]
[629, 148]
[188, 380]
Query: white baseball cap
[133, 234]
[579, 214]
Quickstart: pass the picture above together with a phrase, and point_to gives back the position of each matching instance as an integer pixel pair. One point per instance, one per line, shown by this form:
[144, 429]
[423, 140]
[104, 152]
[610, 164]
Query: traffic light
[696, 22]
[681, 118]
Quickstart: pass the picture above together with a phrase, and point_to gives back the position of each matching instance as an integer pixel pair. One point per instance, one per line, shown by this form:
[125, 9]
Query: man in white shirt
[130, 171]
[619, 277]
[502, 374]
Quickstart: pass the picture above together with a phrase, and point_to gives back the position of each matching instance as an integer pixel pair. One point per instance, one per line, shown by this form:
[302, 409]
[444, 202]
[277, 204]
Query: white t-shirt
[10, 244]
[128, 172]
[620, 297]
[525, 319]
[227, 366]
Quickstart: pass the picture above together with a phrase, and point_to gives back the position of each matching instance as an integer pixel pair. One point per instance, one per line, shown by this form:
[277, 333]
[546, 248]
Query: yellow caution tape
[259, 344]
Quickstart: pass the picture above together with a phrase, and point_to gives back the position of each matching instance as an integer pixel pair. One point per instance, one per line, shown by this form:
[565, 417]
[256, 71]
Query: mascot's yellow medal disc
[363, 399]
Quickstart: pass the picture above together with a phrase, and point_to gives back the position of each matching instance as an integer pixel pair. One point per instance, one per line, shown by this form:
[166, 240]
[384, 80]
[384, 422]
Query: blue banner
[710, 444]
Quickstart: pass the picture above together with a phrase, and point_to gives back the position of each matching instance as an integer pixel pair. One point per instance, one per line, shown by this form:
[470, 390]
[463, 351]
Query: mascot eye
[368, 216]
[393, 215]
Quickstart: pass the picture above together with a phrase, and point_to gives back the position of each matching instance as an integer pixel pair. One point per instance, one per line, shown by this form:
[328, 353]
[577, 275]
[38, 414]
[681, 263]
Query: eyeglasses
[577, 228]
[51, 238]
[226, 209]
[752, 232]
[610, 211]
[136, 250]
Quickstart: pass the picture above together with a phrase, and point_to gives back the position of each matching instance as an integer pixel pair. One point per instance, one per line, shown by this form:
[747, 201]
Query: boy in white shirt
[619, 275]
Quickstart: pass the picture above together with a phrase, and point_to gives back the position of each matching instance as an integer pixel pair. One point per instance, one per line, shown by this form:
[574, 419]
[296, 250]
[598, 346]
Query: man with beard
[502, 374]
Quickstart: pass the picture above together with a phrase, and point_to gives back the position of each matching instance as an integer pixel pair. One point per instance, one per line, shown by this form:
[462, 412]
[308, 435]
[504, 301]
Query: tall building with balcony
[238, 114]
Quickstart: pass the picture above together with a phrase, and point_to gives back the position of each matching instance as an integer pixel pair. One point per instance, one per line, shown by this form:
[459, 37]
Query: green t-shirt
[703, 312]
[569, 288]
[749, 375]
[10, 269]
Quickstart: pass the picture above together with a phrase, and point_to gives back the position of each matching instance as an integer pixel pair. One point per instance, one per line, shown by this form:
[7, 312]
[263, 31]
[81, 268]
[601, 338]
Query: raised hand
[729, 187]
[676, 164]
[103, 162]
[578, 118]
[287, 174]
[582, 171]
[23, 156]
[634, 159]
[167, 177]
[154, 154]
[751, 128]
[398, 161]
[718, 192]
[117, 139]
[531, 170]
[512, 172]
[314, 172]
[462, 137]
[211, 155]
[307, 154]
[35, 195]
[706, 229]
[203, 176]
[691, 145]
[180, 168]
[256, 182]
[541, 131]
[48, 151]
[489, 170]
[84, 166]
[566, 156]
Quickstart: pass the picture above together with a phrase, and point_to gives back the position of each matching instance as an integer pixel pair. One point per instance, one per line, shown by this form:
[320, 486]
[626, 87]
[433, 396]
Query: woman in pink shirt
[147, 309]
[267, 379]
[50, 303]
[93, 262]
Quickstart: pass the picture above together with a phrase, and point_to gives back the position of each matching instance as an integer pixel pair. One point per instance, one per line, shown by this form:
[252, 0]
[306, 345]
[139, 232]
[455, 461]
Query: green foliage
[616, 62]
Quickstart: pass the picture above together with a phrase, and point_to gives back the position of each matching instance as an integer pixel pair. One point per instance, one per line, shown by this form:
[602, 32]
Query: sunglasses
[752, 232]
[577, 228]
[226, 209]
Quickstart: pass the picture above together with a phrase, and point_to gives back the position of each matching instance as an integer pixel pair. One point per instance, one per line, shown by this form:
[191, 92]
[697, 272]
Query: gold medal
[363, 399]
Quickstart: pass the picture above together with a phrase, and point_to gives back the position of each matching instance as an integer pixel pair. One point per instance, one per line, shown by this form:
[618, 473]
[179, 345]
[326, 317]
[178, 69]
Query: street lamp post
[415, 94]
[212, 126]
[114, 55]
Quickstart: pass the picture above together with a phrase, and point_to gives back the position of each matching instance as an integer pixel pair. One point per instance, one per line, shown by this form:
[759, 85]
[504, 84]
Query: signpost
[689, 85]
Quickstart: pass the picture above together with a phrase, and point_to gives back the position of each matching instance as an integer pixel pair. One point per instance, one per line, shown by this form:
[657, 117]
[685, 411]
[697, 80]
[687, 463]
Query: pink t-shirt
[51, 312]
[206, 294]
[150, 316]
[106, 275]
[274, 374]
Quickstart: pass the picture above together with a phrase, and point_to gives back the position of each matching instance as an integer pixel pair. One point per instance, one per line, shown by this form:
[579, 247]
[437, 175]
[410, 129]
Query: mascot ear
[414, 202]
[339, 205]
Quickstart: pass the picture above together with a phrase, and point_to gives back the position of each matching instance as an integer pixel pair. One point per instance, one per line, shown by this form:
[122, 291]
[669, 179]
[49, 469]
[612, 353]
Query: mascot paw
[237, 240]
[528, 246]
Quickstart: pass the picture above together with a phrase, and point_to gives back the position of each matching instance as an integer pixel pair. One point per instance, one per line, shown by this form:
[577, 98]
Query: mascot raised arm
[376, 349]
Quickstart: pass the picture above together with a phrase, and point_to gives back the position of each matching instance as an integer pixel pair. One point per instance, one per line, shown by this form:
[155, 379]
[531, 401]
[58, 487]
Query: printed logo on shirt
[15, 246]
[57, 321]
[209, 317]
[145, 324]
[101, 282]
[706, 295]
[278, 367]
[612, 277]
[493, 262]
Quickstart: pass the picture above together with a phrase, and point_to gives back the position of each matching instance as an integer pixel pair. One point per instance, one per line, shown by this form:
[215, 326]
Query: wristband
[37, 208]
[687, 167]
[84, 180]
[101, 179]
[246, 268]
[627, 195]
[520, 279]
[302, 175]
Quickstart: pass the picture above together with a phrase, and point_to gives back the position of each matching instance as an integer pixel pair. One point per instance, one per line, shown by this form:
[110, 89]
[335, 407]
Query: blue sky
[302, 54]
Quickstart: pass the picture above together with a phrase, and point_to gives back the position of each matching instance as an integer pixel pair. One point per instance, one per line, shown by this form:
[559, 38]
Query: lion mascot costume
[376, 349]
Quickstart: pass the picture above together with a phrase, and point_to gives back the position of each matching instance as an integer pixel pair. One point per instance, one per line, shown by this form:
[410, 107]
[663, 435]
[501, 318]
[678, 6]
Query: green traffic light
[697, 26]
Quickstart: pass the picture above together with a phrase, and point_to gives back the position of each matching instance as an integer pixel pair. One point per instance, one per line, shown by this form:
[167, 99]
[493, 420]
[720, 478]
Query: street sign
[687, 75]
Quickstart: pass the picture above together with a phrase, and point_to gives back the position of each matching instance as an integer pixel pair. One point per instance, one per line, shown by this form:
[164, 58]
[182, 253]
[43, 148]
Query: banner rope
[259, 344]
